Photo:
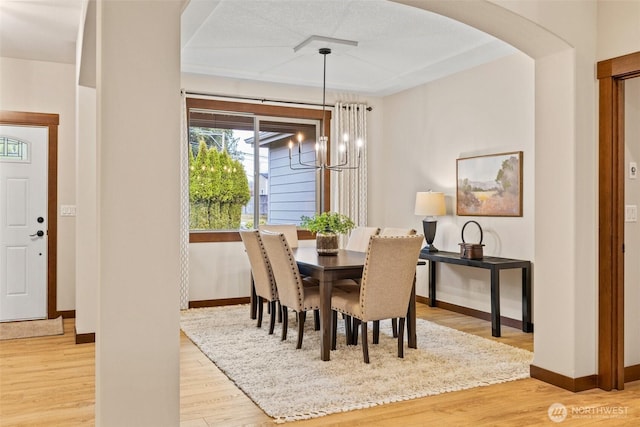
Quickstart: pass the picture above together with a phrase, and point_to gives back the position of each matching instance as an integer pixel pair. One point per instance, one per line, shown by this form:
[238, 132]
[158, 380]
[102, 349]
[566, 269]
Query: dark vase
[327, 243]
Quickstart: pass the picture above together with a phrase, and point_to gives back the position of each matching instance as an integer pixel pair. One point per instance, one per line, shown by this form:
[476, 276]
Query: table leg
[495, 302]
[325, 318]
[411, 318]
[527, 326]
[432, 283]
[253, 299]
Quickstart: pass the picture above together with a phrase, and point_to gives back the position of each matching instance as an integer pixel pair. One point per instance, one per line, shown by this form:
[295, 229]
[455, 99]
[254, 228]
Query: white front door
[23, 222]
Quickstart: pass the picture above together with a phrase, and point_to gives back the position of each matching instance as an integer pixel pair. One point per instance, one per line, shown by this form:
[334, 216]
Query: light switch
[67, 210]
[633, 170]
[630, 213]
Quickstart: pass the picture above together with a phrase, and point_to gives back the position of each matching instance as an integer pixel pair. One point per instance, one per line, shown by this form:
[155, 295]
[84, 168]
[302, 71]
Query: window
[239, 167]
[13, 150]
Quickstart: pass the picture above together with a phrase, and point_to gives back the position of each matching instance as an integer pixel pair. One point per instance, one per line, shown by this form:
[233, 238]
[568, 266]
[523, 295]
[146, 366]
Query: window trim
[262, 110]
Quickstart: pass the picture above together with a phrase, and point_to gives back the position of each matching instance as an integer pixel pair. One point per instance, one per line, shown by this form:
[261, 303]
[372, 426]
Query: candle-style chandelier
[322, 150]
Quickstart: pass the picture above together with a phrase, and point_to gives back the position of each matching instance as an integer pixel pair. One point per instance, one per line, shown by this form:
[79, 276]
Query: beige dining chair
[394, 231]
[386, 231]
[385, 290]
[290, 232]
[264, 283]
[292, 291]
[359, 238]
[359, 242]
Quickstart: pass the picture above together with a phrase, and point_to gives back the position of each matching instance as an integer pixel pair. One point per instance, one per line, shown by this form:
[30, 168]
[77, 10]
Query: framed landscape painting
[490, 185]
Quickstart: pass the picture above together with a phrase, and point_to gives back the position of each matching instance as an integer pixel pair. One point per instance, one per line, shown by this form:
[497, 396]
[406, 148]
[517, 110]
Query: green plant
[327, 222]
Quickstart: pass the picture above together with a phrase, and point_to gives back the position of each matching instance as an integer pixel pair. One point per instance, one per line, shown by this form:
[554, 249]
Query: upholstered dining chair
[359, 242]
[394, 231]
[290, 231]
[264, 283]
[292, 291]
[359, 238]
[385, 290]
[387, 231]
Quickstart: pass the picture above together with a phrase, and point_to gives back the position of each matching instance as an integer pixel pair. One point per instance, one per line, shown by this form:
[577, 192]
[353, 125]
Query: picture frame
[489, 185]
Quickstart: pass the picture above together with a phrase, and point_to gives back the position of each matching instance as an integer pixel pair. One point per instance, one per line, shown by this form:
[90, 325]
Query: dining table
[329, 268]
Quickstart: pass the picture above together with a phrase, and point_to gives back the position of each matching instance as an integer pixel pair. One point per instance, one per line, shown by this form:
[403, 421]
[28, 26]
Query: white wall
[618, 28]
[485, 110]
[47, 87]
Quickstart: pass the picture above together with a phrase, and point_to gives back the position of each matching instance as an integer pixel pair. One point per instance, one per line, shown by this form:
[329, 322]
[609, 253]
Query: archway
[564, 300]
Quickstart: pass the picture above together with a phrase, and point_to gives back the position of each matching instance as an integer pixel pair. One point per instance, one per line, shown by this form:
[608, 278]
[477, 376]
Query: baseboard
[85, 338]
[506, 321]
[67, 314]
[567, 383]
[218, 302]
[631, 373]
[421, 299]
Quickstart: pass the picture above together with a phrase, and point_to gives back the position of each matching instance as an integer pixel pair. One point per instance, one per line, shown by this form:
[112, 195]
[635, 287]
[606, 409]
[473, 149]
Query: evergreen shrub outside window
[218, 189]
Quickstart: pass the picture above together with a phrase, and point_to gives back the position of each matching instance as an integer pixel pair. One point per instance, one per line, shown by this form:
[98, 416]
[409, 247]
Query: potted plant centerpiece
[327, 226]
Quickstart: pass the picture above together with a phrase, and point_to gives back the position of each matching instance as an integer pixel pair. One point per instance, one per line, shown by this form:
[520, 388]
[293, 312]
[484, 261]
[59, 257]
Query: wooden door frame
[612, 74]
[50, 121]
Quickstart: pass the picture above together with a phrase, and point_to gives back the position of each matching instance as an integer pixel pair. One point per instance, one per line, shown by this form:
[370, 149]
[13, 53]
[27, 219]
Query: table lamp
[430, 204]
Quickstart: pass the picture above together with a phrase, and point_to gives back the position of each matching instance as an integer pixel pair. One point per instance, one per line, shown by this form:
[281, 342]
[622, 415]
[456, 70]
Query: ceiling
[42, 30]
[398, 47]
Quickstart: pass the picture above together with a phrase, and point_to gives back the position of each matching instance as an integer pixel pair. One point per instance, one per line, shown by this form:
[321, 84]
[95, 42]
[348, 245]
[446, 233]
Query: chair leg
[347, 328]
[301, 317]
[376, 331]
[285, 322]
[365, 344]
[354, 330]
[279, 312]
[334, 329]
[394, 327]
[401, 338]
[316, 320]
[272, 319]
[260, 310]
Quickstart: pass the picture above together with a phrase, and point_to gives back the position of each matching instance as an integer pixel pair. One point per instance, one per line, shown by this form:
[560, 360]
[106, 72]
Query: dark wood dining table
[344, 265]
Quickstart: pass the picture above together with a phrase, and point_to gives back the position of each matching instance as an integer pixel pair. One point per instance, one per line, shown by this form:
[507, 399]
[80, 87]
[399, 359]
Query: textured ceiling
[44, 30]
[398, 47]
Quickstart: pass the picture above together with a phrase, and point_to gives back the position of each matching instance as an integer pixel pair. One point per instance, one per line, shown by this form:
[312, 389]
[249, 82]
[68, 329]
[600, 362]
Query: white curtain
[350, 186]
[184, 206]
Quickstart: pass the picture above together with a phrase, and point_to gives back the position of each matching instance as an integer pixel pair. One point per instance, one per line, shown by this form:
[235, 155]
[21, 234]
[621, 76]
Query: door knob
[38, 233]
[40, 220]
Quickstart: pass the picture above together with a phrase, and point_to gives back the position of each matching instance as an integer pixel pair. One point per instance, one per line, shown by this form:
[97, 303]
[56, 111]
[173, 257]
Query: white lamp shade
[429, 203]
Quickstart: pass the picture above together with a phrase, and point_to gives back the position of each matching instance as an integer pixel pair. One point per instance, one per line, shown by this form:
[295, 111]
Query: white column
[87, 271]
[138, 98]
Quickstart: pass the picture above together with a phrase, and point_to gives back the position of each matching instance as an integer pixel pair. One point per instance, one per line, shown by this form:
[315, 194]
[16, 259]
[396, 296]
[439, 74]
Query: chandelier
[322, 150]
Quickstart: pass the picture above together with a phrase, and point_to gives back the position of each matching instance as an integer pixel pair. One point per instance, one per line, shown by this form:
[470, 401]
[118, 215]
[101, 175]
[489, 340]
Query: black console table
[495, 265]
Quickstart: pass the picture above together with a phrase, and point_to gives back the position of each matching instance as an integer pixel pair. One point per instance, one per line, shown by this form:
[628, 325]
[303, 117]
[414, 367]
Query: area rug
[289, 384]
[31, 328]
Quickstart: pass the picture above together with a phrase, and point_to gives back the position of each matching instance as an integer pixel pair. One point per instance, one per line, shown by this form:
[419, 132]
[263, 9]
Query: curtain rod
[262, 100]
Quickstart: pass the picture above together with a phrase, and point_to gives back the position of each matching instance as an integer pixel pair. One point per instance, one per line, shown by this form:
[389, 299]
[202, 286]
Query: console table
[495, 265]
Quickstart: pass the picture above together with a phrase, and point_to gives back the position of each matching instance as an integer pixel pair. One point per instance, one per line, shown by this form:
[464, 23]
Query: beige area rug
[31, 328]
[290, 384]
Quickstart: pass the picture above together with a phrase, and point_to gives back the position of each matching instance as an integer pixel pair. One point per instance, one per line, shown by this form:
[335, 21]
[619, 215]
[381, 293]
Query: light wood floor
[49, 381]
